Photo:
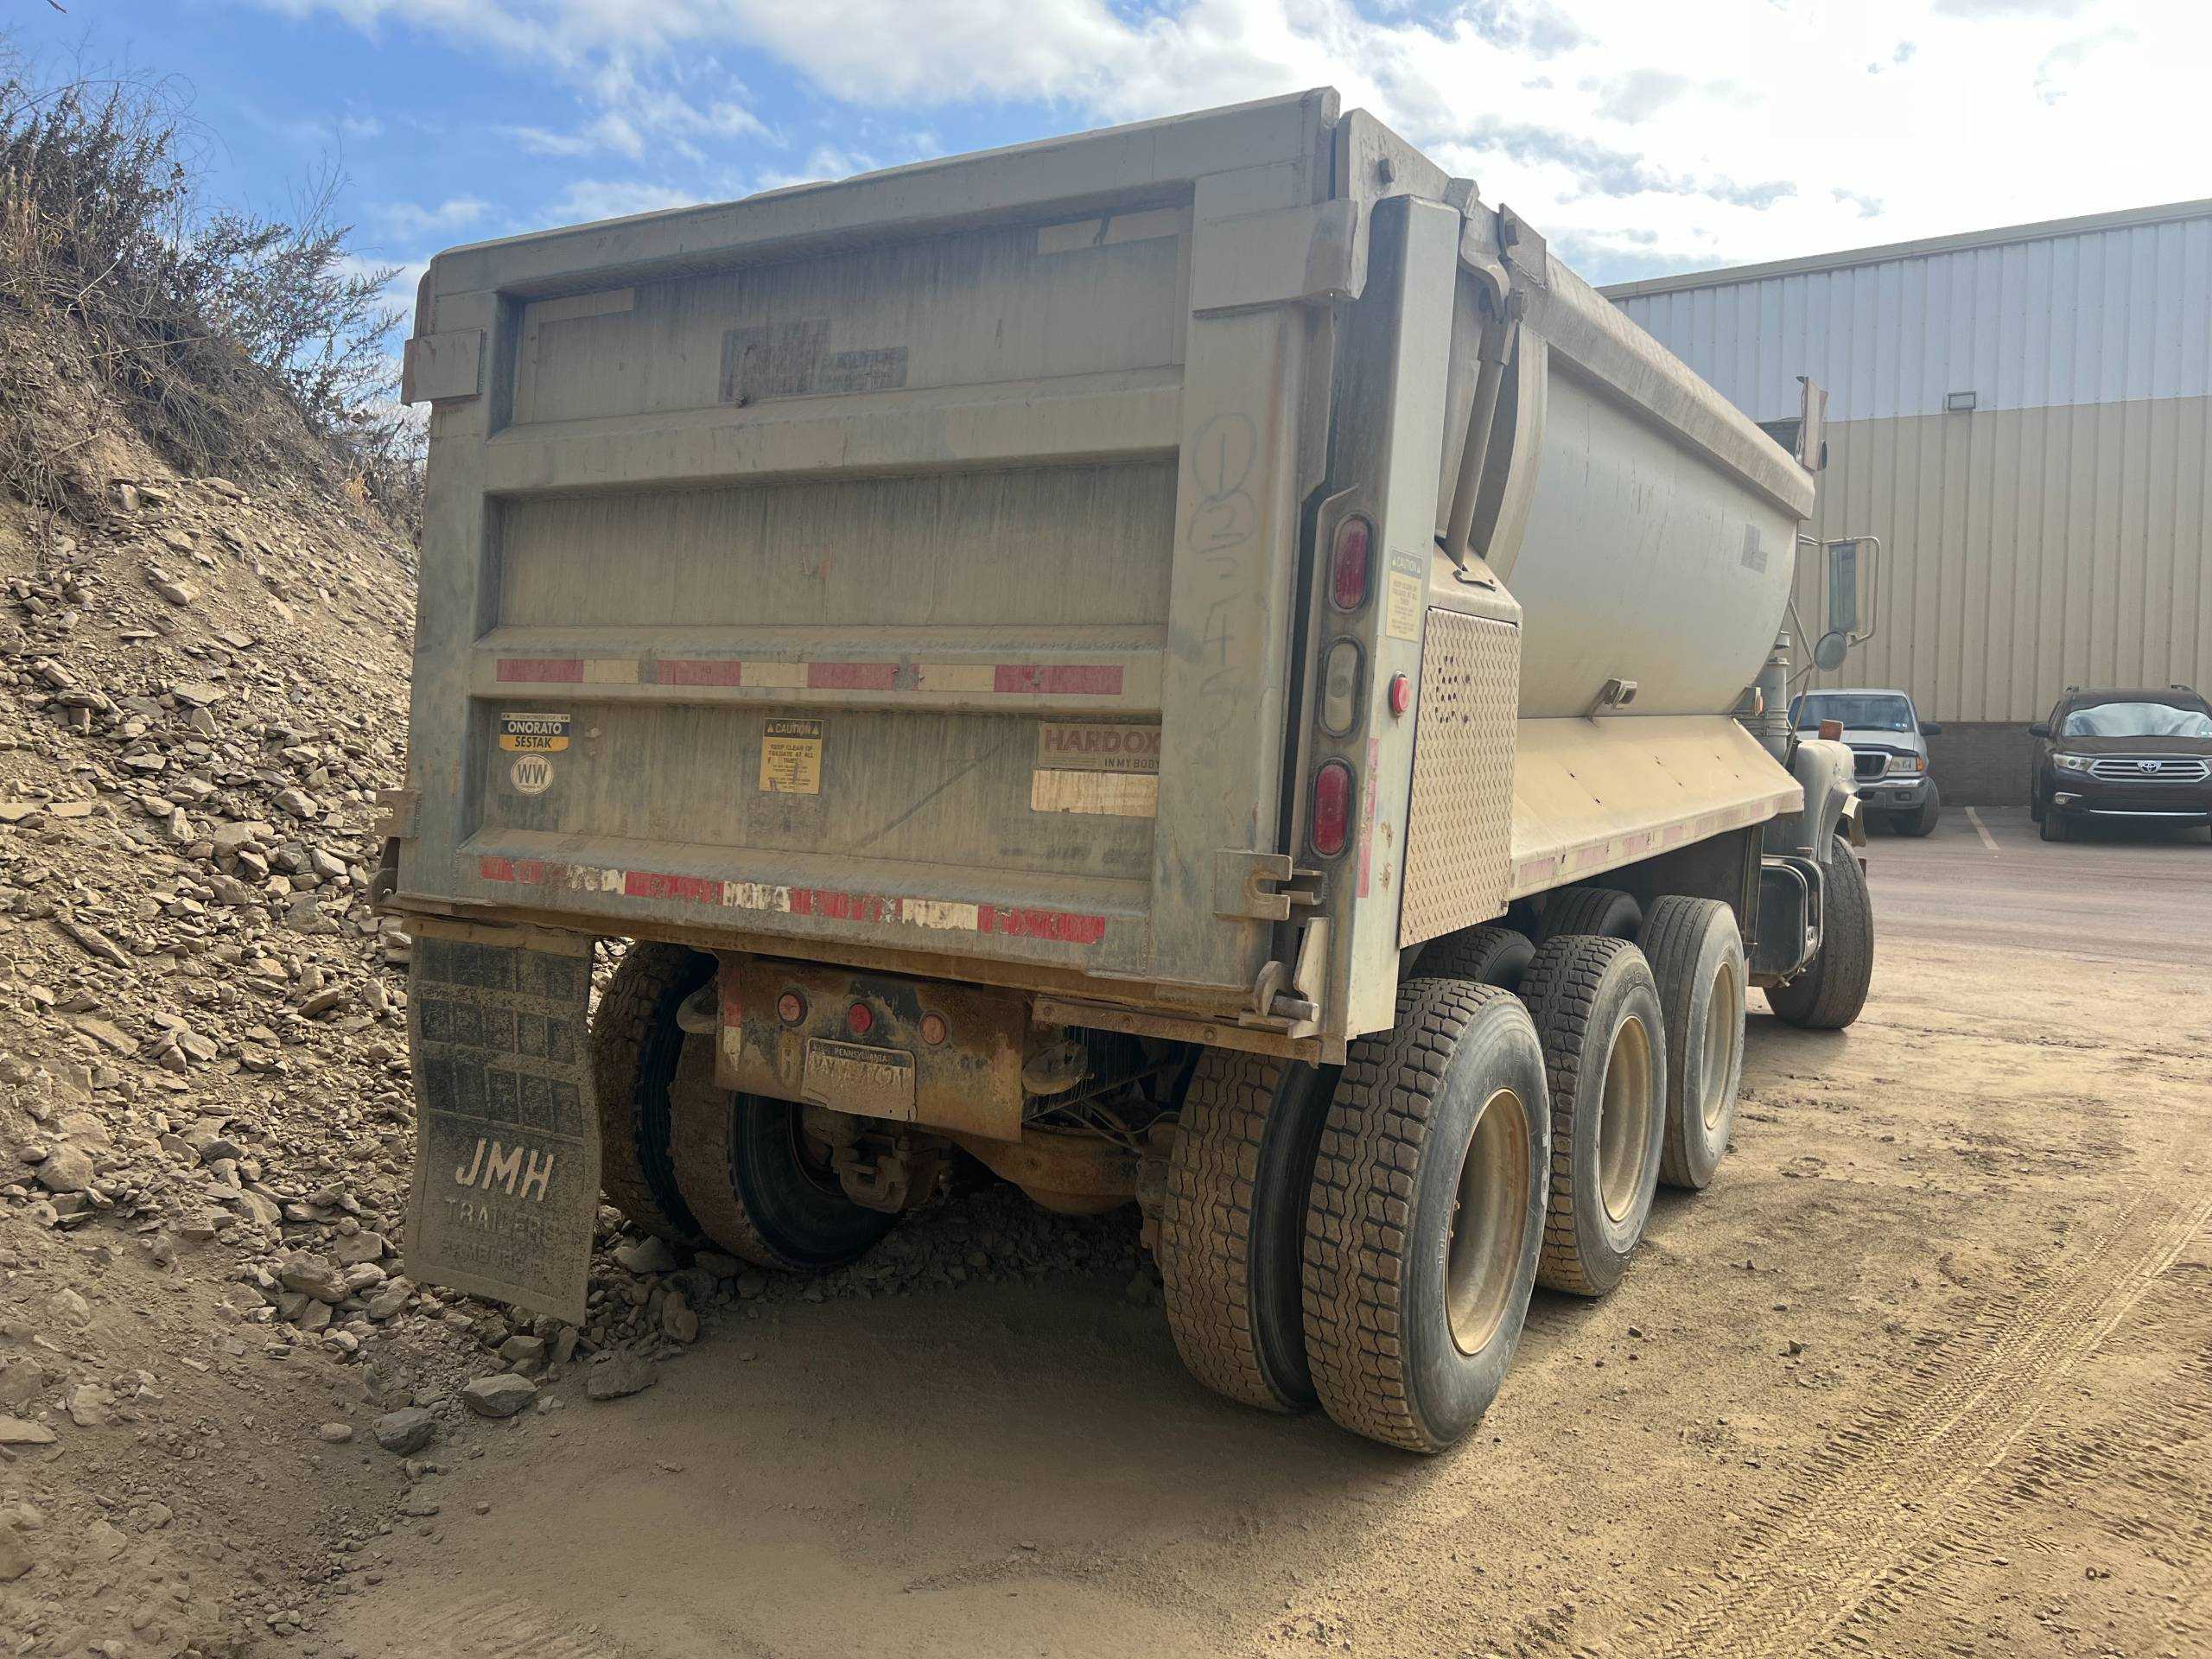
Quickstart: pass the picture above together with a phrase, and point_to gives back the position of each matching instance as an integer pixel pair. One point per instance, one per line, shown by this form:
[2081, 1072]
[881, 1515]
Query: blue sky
[1642, 136]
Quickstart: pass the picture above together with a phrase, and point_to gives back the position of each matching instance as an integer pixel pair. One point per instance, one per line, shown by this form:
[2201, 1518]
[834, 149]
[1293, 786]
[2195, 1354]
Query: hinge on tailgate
[399, 806]
[1243, 881]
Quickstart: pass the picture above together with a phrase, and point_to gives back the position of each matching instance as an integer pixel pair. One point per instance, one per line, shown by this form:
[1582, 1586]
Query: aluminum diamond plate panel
[1458, 832]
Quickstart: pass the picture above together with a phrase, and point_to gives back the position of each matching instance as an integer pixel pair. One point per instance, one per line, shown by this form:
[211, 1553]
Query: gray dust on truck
[905, 568]
[1095, 610]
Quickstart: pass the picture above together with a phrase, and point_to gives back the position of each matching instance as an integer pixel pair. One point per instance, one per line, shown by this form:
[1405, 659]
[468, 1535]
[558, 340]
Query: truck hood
[1880, 737]
[2196, 745]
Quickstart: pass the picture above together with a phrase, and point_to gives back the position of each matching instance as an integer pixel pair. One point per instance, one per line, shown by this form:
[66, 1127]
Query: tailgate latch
[1244, 886]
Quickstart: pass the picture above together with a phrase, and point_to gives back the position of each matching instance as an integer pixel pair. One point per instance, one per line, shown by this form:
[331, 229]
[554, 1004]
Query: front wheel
[2054, 825]
[1829, 994]
[1427, 1215]
[1922, 820]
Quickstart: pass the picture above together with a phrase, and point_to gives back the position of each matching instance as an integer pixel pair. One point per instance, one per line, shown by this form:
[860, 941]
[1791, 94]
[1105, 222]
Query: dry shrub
[236, 344]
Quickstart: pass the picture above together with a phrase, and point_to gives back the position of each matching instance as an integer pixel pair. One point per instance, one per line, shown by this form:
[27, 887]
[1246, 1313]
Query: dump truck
[1195, 666]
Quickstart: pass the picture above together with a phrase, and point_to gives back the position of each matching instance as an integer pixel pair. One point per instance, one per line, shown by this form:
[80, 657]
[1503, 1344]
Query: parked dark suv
[2123, 756]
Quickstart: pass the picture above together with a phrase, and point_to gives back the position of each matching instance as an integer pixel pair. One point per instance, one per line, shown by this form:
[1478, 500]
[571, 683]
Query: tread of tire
[1573, 911]
[1470, 954]
[699, 1130]
[1205, 1225]
[1674, 926]
[1561, 992]
[1356, 1243]
[619, 1031]
[1835, 999]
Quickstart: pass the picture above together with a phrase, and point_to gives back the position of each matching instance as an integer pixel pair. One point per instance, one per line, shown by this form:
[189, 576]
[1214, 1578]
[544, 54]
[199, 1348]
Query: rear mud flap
[507, 1160]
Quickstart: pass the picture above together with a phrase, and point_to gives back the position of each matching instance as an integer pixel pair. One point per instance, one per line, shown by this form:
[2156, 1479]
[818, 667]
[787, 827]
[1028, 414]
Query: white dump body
[929, 571]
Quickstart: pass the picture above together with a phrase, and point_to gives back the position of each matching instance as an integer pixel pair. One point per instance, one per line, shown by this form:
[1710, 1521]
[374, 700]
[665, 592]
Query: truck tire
[759, 1188]
[1234, 1223]
[1696, 953]
[1487, 956]
[1828, 996]
[1427, 1215]
[1605, 911]
[635, 1045]
[1922, 820]
[1596, 1007]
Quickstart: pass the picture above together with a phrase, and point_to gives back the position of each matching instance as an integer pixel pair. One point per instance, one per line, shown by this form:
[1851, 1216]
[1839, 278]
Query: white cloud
[1767, 130]
[414, 222]
[590, 199]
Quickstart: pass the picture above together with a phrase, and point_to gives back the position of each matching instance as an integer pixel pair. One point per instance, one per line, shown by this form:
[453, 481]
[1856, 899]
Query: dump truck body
[1134, 589]
[914, 567]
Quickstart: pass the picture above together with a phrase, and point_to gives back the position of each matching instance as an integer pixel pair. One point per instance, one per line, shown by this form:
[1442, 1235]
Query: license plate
[853, 1077]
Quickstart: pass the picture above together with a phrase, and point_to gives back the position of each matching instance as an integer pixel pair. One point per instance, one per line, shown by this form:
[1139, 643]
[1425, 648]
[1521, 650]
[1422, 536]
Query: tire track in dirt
[499, 1627]
[2147, 1459]
[1887, 1488]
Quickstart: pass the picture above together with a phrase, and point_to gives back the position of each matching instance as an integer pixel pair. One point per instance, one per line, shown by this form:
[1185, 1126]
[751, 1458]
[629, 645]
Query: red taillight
[1331, 822]
[1401, 694]
[791, 1008]
[859, 1021]
[1348, 563]
[933, 1029]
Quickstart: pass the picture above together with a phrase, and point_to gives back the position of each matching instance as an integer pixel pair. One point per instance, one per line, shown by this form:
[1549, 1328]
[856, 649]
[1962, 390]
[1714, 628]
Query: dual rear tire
[696, 1164]
[1485, 1143]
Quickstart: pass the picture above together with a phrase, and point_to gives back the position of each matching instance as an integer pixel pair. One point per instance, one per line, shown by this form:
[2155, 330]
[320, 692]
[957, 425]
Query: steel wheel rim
[1624, 1119]
[1482, 1257]
[1721, 1038]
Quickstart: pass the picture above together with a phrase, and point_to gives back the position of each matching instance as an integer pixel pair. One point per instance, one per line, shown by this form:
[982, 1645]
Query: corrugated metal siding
[2025, 551]
[2102, 316]
[2055, 536]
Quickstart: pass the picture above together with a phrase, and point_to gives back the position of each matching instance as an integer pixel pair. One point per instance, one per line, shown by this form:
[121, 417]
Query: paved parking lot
[1928, 1372]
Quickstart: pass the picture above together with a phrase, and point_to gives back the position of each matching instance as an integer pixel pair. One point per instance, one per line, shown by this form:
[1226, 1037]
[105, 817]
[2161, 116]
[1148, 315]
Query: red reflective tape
[844, 906]
[698, 670]
[647, 884]
[1059, 926]
[851, 677]
[1066, 927]
[541, 670]
[1066, 679]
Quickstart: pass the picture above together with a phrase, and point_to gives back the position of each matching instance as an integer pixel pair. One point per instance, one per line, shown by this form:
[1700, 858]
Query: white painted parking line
[1982, 829]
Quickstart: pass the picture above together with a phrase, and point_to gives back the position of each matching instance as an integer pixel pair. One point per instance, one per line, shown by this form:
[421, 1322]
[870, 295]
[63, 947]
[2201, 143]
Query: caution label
[790, 757]
[1097, 746]
[534, 734]
[1403, 603]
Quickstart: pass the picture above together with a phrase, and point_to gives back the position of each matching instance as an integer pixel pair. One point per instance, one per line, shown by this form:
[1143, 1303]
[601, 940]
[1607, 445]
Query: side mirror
[1930, 729]
[1843, 587]
[2037, 730]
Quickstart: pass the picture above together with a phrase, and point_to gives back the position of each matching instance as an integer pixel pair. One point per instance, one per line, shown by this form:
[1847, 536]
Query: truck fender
[1823, 770]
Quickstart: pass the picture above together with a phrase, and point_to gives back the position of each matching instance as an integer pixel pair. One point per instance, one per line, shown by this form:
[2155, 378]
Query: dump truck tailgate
[895, 563]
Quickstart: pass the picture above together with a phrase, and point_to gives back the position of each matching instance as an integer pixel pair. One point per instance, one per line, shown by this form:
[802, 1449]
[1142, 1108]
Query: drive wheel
[1696, 953]
[1487, 956]
[635, 1045]
[1427, 1214]
[1922, 820]
[1828, 996]
[1597, 1010]
[761, 1185]
[1234, 1222]
[1605, 911]
[2054, 825]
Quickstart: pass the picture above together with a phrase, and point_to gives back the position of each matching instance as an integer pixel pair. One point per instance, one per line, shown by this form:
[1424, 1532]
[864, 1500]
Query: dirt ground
[1928, 1372]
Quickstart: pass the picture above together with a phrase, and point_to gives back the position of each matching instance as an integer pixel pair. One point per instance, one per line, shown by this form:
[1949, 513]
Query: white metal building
[2025, 417]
